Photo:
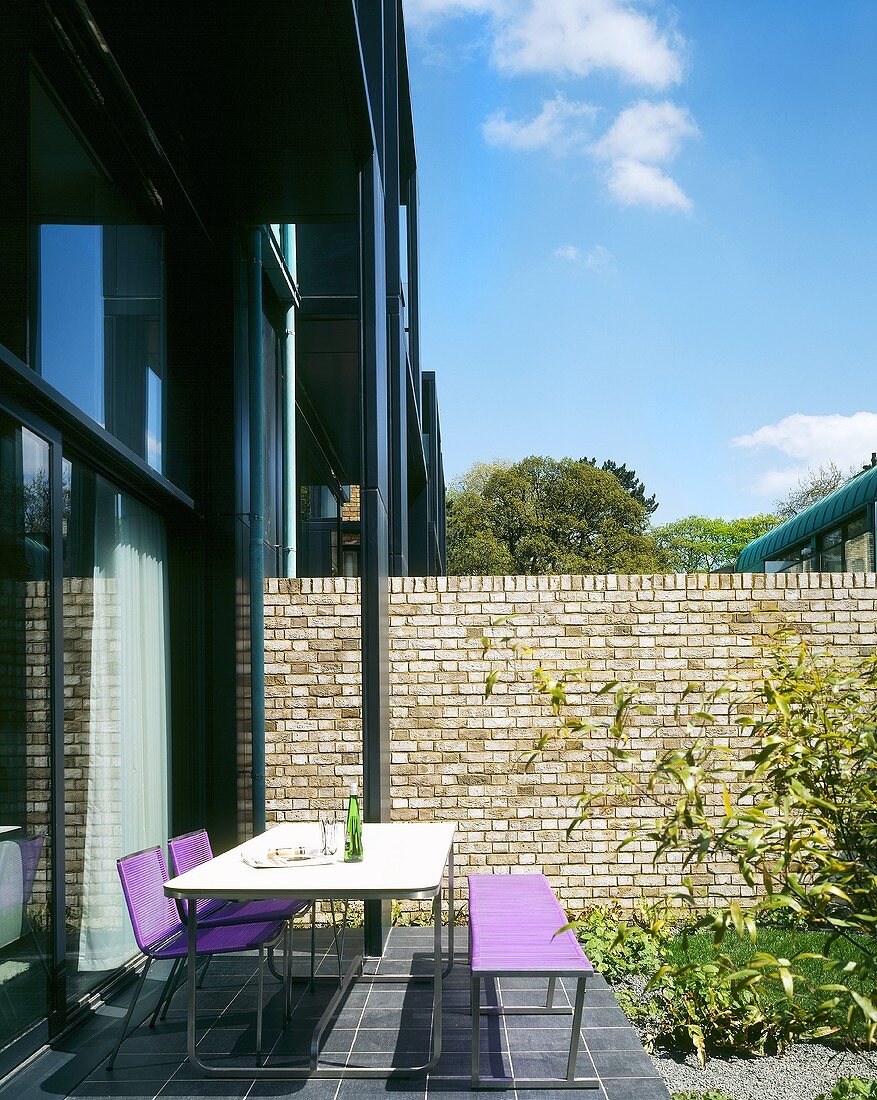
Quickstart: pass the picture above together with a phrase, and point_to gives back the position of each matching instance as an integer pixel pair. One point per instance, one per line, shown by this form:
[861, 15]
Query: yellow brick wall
[458, 757]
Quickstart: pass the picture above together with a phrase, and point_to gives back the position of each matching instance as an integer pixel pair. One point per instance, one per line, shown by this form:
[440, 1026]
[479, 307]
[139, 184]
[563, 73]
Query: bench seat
[514, 923]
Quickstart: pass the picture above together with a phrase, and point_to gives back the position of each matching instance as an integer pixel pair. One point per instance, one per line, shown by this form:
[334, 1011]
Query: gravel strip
[802, 1073]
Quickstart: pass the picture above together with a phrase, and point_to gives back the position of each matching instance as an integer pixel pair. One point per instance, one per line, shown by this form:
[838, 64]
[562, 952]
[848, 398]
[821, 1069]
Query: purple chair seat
[218, 939]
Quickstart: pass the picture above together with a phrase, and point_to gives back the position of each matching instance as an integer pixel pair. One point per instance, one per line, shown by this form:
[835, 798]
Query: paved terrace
[379, 1024]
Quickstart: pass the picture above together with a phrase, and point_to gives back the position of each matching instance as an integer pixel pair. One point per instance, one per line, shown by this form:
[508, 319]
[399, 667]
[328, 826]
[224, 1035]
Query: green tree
[629, 482]
[698, 544]
[544, 515]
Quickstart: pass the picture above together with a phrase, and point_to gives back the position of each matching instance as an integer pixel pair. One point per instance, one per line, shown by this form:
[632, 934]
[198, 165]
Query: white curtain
[127, 800]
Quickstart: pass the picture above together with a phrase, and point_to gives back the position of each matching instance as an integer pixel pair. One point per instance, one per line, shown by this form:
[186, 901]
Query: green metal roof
[826, 513]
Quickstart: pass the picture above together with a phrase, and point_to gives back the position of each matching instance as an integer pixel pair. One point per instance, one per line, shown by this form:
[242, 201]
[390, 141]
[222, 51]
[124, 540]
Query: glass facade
[26, 604]
[116, 684]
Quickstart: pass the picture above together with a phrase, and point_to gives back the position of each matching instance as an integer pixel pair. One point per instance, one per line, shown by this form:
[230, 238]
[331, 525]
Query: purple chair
[31, 849]
[191, 850]
[160, 934]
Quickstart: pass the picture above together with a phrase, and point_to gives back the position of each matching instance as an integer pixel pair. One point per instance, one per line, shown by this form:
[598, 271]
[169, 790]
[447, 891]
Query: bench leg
[576, 1034]
[475, 1009]
[571, 1081]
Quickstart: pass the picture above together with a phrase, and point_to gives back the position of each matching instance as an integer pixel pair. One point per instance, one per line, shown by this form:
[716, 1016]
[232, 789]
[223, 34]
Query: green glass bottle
[353, 829]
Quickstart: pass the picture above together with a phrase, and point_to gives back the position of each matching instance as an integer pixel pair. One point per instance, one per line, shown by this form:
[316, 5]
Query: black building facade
[209, 375]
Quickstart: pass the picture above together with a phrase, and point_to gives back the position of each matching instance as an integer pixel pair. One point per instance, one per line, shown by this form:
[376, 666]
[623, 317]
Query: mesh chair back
[154, 916]
[31, 851]
[190, 851]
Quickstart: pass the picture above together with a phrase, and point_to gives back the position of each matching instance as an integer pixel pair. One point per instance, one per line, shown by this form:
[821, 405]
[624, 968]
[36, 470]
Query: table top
[400, 860]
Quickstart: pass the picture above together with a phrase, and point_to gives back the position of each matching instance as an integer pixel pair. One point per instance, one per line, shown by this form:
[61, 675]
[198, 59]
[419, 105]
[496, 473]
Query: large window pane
[99, 335]
[116, 710]
[25, 716]
[831, 556]
[859, 548]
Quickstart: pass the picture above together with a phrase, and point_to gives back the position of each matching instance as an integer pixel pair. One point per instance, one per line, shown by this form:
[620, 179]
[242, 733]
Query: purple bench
[513, 932]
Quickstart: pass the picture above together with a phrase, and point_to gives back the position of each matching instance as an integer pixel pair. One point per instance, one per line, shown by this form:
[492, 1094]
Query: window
[858, 548]
[831, 556]
[116, 710]
[99, 289]
[26, 600]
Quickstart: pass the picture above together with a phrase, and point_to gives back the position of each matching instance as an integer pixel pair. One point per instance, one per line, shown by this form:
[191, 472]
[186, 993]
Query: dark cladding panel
[327, 259]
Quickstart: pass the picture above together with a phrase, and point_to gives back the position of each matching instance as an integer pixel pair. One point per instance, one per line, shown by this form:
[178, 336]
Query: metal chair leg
[204, 971]
[259, 1006]
[287, 988]
[335, 938]
[165, 991]
[313, 939]
[549, 1002]
[128, 1014]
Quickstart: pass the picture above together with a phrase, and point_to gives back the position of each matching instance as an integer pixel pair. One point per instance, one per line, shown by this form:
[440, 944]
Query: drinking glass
[329, 832]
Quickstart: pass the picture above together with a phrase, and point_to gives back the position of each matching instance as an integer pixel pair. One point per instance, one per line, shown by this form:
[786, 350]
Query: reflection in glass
[25, 710]
[859, 548]
[116, 710]
[99, 335]
[319, 515]
[831, 558]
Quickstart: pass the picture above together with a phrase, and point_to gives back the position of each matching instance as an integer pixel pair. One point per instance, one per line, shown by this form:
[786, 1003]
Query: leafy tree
[698, 544]
[545, 515]
[629, 482]
[812, 487]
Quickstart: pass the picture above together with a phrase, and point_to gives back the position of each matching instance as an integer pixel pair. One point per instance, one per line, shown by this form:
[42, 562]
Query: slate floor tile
[623, 1063]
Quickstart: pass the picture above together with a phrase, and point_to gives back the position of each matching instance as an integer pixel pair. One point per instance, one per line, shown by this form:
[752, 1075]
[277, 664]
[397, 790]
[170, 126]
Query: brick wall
[458, 757]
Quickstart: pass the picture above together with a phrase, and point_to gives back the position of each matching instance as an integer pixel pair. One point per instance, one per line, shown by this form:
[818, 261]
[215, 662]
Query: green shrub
[851, 1088]
[619, 943]
[796, 815]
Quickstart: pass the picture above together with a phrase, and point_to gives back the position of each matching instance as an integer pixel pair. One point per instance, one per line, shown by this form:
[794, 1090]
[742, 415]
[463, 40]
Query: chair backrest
[189, 851]
[154, 916]
[31, 850]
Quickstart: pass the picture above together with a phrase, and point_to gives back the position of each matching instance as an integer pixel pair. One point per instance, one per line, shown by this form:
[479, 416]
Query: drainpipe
[257, 523]
[290, 494]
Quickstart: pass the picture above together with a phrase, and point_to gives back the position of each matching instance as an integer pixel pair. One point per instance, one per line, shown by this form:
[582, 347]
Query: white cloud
[600, 259]
[561, 126]
[633, 183]
[568, 38]
[643, 136]
[420, 13]
[813, 441]
[846, 440]
[647, 131]
[571, 38]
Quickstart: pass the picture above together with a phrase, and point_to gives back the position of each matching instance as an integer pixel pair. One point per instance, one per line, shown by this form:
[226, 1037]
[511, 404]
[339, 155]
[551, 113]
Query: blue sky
[649, 233]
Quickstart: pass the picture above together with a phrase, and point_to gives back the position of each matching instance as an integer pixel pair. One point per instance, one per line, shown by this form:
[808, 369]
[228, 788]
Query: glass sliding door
[116, 710]
[26, 601]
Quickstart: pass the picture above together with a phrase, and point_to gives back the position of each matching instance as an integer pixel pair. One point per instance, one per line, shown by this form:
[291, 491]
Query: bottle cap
[353, 788]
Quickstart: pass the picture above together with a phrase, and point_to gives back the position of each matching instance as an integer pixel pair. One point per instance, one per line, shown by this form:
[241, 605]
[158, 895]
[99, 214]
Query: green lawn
[781, 943]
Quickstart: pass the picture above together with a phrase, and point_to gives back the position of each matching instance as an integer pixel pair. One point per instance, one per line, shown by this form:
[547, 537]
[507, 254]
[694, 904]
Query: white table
[402, 861]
